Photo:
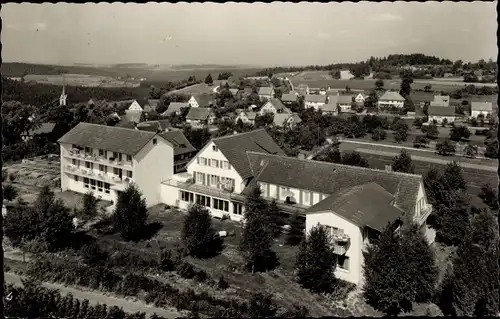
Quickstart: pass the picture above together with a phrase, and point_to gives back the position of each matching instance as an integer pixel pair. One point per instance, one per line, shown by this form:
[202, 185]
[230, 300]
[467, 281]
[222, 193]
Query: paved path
[129, 306]
[429, 159]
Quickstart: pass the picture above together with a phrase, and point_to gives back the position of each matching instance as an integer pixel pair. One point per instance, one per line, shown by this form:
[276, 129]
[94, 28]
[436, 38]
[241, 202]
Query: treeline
[41, 94]
[34, 301]
[16, 69]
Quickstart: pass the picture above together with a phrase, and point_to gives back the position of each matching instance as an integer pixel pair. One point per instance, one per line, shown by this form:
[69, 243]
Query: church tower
[64, 96]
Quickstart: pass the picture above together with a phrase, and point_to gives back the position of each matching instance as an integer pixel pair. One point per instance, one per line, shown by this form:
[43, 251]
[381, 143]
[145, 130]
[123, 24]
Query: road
[129, 306]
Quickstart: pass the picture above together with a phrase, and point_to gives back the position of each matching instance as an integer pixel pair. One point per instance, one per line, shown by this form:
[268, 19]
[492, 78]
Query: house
[234, 92]
[360, 98]
[183, 150]
[345, 102]
[286, 120]
[133, 116]
[135, 106]
[274, 106]
[391, 99]
[265, 93]
[106, 159]
[246, 117]
[153, 103]
[441, 113]
[332, 107]
[154, 126]
[314, 101]
[441, 100]
[245, 93]
[45, 129]
[200, 117]
[202, 100]
[484, 108]
[175, 108]
[218, 174]
[289, 98]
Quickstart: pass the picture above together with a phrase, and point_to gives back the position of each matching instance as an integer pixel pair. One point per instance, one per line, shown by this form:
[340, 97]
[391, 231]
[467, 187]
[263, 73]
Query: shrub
[186, 270]
[201, 276]
[222, 284]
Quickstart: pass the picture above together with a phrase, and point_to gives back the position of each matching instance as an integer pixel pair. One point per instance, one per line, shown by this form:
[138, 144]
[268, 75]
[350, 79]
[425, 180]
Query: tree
[428, 88]
[295, 233]
[489, 196]
[316, 261]
[457, 133]
[471, 287]
[471, 150]
[403, 163]
[452, 218]
[255, 244]
[354, 159]
[197, 233]
[379, 84]
[406, 86]
[9, 192]
[401, 134]
[445, 148]
[130, 214]
[430, 131]
[89, 210]
[275, 220]
[209, 80]
[491, 148]
[379, 134]
[392, 257]
[330, 155]
[420, 141]
[262, 306]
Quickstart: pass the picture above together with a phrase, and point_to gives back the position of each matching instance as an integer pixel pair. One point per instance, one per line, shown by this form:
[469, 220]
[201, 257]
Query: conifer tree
[130, 214]
[295, 233]
[197, 233]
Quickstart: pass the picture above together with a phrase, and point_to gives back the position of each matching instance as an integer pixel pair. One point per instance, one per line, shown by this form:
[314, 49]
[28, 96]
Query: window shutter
[197, 160]
[194, 176]
[300, 197]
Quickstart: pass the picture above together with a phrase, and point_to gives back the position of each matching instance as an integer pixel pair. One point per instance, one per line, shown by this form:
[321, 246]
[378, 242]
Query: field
[474, 177]
[321, 78]
[196, 89]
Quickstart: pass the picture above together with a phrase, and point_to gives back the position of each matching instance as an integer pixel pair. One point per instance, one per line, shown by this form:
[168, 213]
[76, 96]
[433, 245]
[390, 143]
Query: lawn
[196, 89]
[280, 281]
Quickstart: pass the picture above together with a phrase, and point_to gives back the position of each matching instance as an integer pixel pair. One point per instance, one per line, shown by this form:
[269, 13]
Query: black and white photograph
[249, 160]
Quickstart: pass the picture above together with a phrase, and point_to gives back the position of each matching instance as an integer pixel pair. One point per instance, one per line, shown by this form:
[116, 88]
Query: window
[203, 161]
[88, 150]
[200, 178]
[99, 186]
[225, 164]
[129, 158]
[92, 184]
[116, 171]
[106, 188]
[306, 198]
[186, 196]
[86, 182]
[215, 163]
[343, 262]
[75, 162]
[155, 141]
[101, 167]
[115, 155]
[76, 178]
[120, 157]
[102, 153]
[213, 180]
[221, 205]
[214, 148]
[203, 200]
[238, 209]
[263, 189]
[129, 174]
[89, 165]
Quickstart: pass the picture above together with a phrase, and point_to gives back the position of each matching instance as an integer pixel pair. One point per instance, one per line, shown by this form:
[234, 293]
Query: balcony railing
[424, 213]
[97, 158]
[97, 175]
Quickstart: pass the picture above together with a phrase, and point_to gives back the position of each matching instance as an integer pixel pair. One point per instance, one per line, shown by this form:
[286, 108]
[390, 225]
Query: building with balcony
[107, 159]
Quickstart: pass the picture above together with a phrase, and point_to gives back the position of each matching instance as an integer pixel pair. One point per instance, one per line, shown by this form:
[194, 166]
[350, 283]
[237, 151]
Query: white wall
[475, 114]
[354, 274]
[152, 165]
[268, 107]
[440, 119]
[135, 106]
[273, 194]
[208, 152]
[192, 102]
[314, 105]
[384, 103]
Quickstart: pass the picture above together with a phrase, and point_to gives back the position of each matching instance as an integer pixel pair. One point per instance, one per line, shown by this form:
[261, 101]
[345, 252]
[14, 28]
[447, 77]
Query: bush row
[71, 272]
[32, 301]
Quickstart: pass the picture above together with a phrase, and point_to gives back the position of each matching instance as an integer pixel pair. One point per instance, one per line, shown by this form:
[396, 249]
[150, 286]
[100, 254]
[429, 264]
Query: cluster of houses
[106, 159]
[440, 111]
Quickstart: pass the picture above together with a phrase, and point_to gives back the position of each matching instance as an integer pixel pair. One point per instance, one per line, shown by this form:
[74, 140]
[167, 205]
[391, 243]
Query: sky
[245, 33]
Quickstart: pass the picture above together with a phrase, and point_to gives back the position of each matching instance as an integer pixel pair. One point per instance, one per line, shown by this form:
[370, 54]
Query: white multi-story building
[106, 159]
[391, 99]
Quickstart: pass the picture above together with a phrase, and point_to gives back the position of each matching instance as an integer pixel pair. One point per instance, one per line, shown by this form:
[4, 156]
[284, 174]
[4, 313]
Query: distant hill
[15, 69]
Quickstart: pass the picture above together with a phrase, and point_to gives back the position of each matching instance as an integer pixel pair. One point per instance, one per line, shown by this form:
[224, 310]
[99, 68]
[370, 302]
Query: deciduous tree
[403, 163]
[445, 148]
[295, 233]
[89, 209]
[130, 214]
[197, 233]
[489, 195]
[354, 159]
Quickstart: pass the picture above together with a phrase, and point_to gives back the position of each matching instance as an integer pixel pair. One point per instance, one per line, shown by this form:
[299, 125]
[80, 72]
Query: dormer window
[214, 148]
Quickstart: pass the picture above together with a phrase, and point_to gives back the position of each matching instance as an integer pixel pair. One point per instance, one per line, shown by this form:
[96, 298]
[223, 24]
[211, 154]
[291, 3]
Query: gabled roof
[315, 98]
[345, 99]
[438, 103]
[179, 141]
[110, 138]
[277, 104]
[331, 106]
[198, 113]
[392, 96]
[233, 91]
[265, 90]
[174, 107]
[281, 118]
[434, 110]
[204, 100]
[234, 148]
[482, 106]
[328, 178]
[45, 128]
[365, 205]
[289, 97]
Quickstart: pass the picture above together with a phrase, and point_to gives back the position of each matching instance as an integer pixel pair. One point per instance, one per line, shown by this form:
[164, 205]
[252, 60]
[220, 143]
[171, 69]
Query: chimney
[388, 168]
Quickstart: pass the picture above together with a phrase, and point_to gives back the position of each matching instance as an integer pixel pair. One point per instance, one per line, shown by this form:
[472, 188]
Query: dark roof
[204, 100]
[180, 142]
[234, 148]
[315, 98]
[45, 128]
[289, 97]
[364, 205]
[198, 113]
[328, 178]
[125, 124]
[174, 107]
[110, 138]
[278, 105]
[441, 111]
[482, 106]
[391, 96]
